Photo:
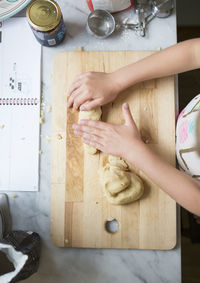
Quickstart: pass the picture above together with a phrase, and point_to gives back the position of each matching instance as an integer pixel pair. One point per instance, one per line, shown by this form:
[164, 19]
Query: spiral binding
[18, 101]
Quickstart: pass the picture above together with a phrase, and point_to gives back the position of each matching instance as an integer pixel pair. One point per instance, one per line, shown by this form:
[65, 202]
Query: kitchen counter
[31, 211]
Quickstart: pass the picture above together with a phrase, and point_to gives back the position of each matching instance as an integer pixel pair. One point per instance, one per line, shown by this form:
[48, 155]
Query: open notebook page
[20, 59]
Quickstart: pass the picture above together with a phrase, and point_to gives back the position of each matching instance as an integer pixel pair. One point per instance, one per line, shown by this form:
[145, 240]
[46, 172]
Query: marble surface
[31, 211]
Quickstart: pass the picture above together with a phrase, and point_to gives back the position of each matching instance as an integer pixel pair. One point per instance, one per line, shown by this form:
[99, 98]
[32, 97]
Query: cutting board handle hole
[112, 226]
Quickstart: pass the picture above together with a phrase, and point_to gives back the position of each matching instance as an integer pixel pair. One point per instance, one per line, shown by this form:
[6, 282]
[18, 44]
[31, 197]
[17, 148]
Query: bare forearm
[173, 60]
[181, 187]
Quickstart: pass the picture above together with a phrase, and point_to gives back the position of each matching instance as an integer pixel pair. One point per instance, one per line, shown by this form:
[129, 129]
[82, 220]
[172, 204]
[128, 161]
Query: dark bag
[29, 245]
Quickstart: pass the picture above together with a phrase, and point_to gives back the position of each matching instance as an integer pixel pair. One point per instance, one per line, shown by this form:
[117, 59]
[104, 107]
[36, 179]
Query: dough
[113, 179]
[117, 161]
[132, 193]
[119, 184]
[94, 114]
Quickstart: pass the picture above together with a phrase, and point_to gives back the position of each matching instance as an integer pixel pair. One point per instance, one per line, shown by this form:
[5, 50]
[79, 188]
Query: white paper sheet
[20, 59]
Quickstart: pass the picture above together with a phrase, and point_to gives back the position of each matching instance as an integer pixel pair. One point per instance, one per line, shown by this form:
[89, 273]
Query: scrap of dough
[94, 114]
[113, 179]
[132, 193]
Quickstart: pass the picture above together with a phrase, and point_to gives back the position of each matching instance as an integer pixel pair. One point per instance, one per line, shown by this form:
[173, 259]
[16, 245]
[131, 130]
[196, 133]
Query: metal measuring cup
[100, 23]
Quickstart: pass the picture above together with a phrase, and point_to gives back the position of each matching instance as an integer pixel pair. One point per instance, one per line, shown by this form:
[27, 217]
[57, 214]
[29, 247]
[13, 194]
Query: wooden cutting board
[79, 210]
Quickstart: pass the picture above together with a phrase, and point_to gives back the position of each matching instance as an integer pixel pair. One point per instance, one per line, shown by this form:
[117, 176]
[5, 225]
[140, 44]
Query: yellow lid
[43, 15]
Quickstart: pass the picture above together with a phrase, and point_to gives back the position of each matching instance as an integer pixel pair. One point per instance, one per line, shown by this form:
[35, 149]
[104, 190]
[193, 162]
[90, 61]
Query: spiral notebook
[20, 59]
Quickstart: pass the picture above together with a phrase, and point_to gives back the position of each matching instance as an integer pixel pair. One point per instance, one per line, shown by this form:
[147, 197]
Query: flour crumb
[48, 108]
[2, 127]
[59, 137]
[80, 48]
[48, 139]
[110, 219]
[42, 120]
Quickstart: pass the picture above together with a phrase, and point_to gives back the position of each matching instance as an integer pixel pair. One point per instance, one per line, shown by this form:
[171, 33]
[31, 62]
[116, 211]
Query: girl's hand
[92, 89]
[117, 140]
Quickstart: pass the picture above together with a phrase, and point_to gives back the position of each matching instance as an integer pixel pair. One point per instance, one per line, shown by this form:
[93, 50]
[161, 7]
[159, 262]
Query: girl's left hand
[112, 139]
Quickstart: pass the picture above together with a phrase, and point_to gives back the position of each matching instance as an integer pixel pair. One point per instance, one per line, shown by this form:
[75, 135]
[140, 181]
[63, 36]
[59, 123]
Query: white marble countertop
[31, 211]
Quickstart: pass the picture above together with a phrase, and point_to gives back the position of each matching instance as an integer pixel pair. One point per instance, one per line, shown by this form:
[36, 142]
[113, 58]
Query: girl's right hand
[92, 89]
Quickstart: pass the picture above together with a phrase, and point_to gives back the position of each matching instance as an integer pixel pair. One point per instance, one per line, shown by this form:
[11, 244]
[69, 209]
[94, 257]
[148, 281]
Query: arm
[125, 141]
[93, 89]
[180, 186]
[176, 59]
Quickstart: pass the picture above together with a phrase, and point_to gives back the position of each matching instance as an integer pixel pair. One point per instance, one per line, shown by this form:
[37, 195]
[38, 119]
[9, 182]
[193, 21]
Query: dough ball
[118, 162]
[113, 179]
[132, 193]
[94, 114]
